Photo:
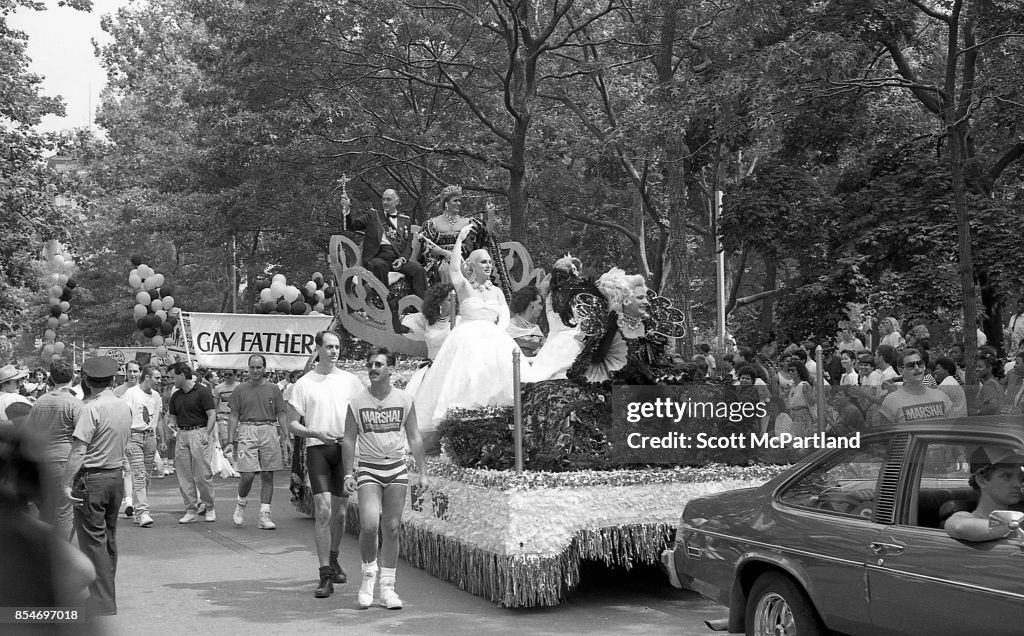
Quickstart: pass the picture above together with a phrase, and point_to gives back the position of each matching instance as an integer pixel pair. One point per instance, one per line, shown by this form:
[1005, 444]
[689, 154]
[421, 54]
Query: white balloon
[161, 352]
[168, 302]
[58, 348]
[314, 313]
[266, 295]
[53, 322]
[279, 278]
[65, 306]
[134, 272]
[58, 260]
[143, 298]
[174, 311]
[62, 279]
[139, 312]
[318, 308]
[145, 271]
[63, 319]
[320, 295]
[54, 301]
[135, 281]
[150, 284]
[158, 341]
[69, 264]
[159, 279]
[157, 304]
[55, 357]
[311, 287]
[57, 290]
[162, 315]
[277, 289]
[47, 350]
[54, 278]
[49, 335]
[291, 294]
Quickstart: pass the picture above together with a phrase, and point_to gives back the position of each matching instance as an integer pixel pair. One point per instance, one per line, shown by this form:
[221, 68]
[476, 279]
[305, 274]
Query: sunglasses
[916, 364]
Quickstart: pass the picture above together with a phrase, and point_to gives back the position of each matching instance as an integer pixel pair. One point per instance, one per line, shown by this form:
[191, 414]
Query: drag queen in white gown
[473, 369]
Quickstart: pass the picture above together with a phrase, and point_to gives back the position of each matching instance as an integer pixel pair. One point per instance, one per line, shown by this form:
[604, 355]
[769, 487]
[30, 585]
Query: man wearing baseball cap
[996, 477]
[94, 468]
[10, 380]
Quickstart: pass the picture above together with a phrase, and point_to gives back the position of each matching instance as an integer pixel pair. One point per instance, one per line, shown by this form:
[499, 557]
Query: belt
[191, 428]
[140, 431]
[100, 470]
[258, 422]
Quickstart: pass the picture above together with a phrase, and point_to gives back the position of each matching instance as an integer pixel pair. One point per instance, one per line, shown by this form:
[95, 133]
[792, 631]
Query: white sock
[241, 502]
[264, 508]
[369, 567]
[387, 576]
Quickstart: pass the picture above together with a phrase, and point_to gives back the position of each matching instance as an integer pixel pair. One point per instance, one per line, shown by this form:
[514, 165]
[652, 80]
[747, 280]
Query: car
[850, 540]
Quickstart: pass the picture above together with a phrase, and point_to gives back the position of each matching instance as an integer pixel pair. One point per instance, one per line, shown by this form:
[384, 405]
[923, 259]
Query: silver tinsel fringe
[531, 580]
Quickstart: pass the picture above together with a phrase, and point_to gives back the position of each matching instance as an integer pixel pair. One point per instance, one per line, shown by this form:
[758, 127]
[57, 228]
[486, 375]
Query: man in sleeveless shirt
[380, 428]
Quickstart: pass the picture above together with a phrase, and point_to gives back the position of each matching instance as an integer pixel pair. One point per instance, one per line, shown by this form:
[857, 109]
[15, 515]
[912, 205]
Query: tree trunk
[518, 197]
[957, 159]
[766, 322]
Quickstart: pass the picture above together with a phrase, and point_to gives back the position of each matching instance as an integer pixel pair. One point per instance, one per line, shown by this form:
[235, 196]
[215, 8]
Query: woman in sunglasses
[912, 400]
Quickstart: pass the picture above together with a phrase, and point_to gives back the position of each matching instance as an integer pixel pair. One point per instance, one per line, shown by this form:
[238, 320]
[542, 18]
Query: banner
[225, 341]
[141, 355]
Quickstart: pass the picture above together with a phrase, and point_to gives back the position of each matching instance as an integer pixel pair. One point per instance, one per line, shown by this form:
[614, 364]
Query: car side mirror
[1009, 519]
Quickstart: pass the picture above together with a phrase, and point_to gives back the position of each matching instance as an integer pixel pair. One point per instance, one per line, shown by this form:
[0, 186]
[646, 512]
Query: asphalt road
[214, 578]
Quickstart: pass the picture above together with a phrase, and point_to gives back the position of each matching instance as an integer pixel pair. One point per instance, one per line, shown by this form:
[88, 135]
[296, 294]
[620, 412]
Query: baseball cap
[100, 367]
[985, 456]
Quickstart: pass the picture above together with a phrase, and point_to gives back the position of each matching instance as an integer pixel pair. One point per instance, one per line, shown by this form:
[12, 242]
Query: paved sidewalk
[214, 578]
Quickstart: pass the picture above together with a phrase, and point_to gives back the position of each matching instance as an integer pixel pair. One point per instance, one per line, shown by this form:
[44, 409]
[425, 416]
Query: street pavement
[214, 578]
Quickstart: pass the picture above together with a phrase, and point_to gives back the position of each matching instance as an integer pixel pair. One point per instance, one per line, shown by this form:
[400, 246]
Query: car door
[824, 518]
[922, 581]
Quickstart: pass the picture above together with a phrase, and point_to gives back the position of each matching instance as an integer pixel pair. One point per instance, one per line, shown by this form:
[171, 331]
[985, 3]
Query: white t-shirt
[323, 401]
[145, 407]
[902, 406]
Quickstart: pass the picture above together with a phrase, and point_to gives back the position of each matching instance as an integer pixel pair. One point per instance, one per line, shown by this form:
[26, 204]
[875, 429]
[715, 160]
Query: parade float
[518, 537]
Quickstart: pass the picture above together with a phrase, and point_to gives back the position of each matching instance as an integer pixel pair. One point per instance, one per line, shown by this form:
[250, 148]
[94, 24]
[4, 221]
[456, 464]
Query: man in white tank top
[381, 428]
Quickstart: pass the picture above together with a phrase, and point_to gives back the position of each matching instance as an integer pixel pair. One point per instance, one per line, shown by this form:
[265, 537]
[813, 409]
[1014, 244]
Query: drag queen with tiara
[438, 236]
[564, 342]
[473, 369]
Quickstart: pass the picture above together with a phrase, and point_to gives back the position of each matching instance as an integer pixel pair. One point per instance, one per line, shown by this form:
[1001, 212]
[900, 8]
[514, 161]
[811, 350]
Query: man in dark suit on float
[388, 242]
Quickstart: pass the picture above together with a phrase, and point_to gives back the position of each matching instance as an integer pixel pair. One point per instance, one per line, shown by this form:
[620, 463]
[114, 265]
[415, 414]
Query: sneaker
[238, 518]
[338, 574]
[388, 596]
[190, 517]
[211, 515]
[326, 588]
[265, 522]
[365, 597]
[202, 509]
[144, 520]
[129, 512]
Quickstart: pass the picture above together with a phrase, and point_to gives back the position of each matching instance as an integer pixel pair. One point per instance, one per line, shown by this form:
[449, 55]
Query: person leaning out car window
[996, 477]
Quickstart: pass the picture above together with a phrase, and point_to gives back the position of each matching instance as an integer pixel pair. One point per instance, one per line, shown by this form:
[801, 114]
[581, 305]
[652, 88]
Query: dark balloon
[167, 290]
[328, 292]
[72, 283]
[55, 311]
[299, 308]
[261, 285]
[149, 332]
[172, 321]
[267, 306]
[166, 329]
[136, 260]
[142, 323]
[283, 307]
[66, 294]
[154, 321]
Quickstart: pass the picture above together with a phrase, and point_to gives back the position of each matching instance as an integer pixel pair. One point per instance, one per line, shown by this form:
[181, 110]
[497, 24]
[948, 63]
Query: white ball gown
[559, 351]
[433, 335]
[473, 369]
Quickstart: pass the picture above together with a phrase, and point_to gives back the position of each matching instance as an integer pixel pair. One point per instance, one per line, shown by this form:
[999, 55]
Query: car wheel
[778, 607]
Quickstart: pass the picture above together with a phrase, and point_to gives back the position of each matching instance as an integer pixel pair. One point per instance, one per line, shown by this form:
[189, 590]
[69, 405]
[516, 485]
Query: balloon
[142, 323]
[311, 287]
[66, 294]
[171, 320]
[56, 290]
[161, 352]
[314, 313]
[259, 308]
[62, 279]
[317, 276]
[145, 271]
[266, 295]
[168, 302]
[267, 306]
[63, 319]
[47, 350]
[69, 264]
[166, 328]
[157, 305]
[290, 294]
[318, 308]
[149, 332]
[283, 307]
[279, 278]
[136, 260]
[58, 260]
[161, 314]
[54, 278]
[56, 357]
[134, 281]
[55, 310]
[49, 335]
[158, 340]
[329, 292]
[139, 311]
[149, 284]
[174, 311]
[52, 322]
[143, 298]
[320, 295]
[153, 320]
[166, 290]
[64, 306]
[58, 348]
[54, 301]
[263, 284]
[277, 289]
[328, 302]
[299, 308]
[159, 278]
[72, 283]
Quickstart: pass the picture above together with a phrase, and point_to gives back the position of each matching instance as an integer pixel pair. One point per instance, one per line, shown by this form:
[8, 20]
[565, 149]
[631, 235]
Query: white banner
[124, 354]
[225, 341]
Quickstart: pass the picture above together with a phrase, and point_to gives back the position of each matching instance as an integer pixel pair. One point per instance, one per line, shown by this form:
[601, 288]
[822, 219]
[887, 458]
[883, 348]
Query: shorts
[326, 469]
[383, 473]
[259, 448]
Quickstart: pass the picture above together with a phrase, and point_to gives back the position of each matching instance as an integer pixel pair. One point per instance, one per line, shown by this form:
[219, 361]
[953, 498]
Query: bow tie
[392, 216]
